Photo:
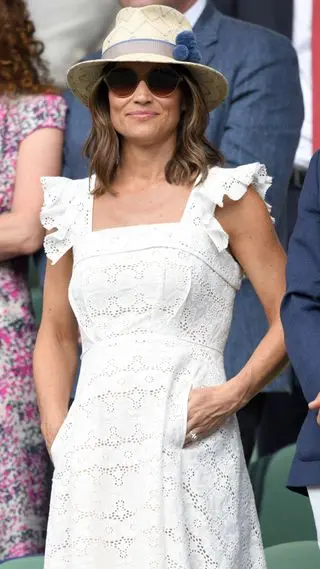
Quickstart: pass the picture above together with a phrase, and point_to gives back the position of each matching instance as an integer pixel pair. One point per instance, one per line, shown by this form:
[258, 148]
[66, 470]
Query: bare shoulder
[253, 242]
[244, 216]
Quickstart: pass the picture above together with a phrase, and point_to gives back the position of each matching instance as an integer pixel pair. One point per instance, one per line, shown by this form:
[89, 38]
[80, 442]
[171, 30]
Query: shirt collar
[194, 13]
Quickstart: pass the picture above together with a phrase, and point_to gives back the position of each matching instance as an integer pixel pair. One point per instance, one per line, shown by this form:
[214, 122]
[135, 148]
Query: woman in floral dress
[32, 119]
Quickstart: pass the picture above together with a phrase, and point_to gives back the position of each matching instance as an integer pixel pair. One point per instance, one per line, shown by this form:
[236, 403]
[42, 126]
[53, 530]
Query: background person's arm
[314, 406]
[20, 230]
[301, 305]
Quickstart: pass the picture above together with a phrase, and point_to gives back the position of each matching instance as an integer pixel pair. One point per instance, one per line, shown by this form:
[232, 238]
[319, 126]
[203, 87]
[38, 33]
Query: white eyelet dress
[154, 305]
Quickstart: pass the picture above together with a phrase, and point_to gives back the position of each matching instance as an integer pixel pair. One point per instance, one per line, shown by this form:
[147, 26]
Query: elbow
[31, 241]
[59, 333]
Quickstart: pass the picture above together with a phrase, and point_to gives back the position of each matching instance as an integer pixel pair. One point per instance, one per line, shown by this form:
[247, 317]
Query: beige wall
[71, 29]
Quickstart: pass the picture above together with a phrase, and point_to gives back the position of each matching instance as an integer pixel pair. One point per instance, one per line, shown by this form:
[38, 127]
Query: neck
[145, 163]
[183, 5]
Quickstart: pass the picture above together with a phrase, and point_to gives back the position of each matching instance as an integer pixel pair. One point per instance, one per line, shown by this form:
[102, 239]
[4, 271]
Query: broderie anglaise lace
[154, 305]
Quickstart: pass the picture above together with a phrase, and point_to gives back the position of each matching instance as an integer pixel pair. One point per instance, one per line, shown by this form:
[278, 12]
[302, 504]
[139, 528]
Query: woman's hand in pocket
[208, 409]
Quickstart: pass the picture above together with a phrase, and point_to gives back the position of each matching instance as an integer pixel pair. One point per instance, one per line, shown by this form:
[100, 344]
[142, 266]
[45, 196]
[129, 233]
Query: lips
[142, 114]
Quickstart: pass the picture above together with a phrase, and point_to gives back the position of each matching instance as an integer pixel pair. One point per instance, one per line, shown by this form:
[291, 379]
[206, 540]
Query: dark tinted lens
[162, 82]
[122, 81]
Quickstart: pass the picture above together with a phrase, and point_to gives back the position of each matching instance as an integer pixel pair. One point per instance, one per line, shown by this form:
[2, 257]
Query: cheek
[116, 106]
[173, 108]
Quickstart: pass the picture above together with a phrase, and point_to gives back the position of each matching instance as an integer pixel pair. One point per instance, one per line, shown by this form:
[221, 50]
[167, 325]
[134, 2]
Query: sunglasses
[161, 82]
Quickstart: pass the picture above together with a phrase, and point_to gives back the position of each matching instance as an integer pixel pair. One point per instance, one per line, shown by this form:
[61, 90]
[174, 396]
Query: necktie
[316, 75]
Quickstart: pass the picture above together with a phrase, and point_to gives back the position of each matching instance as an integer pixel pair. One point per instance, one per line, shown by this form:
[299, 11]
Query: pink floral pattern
[23, 457]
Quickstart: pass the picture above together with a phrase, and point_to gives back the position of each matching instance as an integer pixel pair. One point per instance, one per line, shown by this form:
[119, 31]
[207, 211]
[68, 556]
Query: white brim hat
[152, 34]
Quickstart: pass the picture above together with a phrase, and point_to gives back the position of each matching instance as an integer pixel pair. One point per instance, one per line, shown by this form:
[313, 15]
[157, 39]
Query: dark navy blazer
[259, 121]
[301, 320]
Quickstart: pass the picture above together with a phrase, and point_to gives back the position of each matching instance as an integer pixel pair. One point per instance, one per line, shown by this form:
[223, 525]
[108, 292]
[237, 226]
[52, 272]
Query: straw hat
[153, 34]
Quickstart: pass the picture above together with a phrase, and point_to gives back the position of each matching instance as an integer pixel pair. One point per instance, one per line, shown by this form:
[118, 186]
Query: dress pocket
[184, 413]
[61, 436]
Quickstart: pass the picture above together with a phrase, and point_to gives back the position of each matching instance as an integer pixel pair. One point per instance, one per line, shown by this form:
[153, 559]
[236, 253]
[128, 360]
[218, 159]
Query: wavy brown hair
[22, 69]
[193, 154]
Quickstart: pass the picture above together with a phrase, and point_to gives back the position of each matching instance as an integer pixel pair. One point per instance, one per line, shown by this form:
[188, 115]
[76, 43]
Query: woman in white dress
[146, 257]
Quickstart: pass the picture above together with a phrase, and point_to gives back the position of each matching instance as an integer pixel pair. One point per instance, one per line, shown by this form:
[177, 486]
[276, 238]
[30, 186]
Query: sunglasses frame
[144, 78]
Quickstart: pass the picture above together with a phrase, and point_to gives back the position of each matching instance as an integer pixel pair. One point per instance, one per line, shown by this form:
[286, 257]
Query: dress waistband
[146, 340]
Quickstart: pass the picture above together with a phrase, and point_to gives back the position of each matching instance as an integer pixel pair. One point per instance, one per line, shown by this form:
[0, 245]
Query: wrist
[239, 389]
[51, 424]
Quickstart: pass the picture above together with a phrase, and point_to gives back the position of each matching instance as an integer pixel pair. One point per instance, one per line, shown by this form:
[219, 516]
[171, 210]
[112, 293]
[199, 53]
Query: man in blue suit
[301, 320]
[259, 121]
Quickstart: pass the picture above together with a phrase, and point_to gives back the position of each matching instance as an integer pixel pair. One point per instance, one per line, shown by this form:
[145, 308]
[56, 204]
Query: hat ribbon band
[156, 47]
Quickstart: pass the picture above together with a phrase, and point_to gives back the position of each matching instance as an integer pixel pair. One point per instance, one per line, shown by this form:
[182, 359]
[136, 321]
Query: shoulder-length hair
[193, 154]
[22, 70]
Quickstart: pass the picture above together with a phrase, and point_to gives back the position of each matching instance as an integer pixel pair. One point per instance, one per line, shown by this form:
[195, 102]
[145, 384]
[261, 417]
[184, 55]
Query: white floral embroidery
[154, 304]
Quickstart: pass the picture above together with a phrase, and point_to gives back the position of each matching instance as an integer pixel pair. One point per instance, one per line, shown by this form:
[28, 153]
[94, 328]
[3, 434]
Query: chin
[138, 3]
[145, 135]
[146, 141]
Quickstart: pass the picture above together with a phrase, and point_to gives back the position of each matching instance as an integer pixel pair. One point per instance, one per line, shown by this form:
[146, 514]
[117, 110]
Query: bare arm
[20, 229]
[254, 244]
[56, 351]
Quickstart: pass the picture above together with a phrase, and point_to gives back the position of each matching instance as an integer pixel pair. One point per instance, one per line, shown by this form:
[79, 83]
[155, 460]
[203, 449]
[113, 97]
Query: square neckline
[131, 227]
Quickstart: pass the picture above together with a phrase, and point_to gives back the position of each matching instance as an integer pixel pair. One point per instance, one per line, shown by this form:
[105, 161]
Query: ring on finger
[194, 437]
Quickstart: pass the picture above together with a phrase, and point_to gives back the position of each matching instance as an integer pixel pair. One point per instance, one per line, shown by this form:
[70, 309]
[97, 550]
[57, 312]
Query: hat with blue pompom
[152, 34]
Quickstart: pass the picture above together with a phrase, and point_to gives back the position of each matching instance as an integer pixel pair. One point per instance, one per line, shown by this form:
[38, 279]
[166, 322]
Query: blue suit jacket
[301, 320]
[259, 121]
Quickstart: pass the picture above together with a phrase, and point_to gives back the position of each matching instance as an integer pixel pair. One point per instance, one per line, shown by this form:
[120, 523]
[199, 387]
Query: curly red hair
[22, 69]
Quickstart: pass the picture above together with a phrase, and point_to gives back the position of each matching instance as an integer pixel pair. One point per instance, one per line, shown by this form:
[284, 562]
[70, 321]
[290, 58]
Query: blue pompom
[186, 38]
[180, 53]
[186, 47]
[195, 55]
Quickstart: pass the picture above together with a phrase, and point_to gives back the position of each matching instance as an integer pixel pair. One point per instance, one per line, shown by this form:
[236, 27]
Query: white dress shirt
[301, 39]
[194, 13]
[314, 496]
[70, 30]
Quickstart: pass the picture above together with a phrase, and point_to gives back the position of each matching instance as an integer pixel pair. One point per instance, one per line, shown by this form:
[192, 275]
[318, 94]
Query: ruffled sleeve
[65, 209]
[233, 183]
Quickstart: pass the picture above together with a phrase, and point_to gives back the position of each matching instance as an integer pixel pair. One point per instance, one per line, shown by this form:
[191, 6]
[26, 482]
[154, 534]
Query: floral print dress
[23, 458]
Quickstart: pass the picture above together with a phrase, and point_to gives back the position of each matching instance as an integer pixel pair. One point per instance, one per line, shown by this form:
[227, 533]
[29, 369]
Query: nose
[142, 94]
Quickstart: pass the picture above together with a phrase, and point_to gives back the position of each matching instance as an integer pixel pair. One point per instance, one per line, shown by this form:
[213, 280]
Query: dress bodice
[154, 305]
[171, 279]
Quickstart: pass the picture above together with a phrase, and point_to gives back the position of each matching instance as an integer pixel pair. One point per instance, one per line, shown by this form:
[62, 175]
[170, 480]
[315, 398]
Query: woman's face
[142, 116]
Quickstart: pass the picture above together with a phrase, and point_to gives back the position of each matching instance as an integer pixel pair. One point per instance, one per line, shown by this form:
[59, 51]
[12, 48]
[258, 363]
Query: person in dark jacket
[301, 321]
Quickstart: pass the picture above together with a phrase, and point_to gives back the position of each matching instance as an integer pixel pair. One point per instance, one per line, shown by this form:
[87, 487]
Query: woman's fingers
[208, 408]
[191, 438]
